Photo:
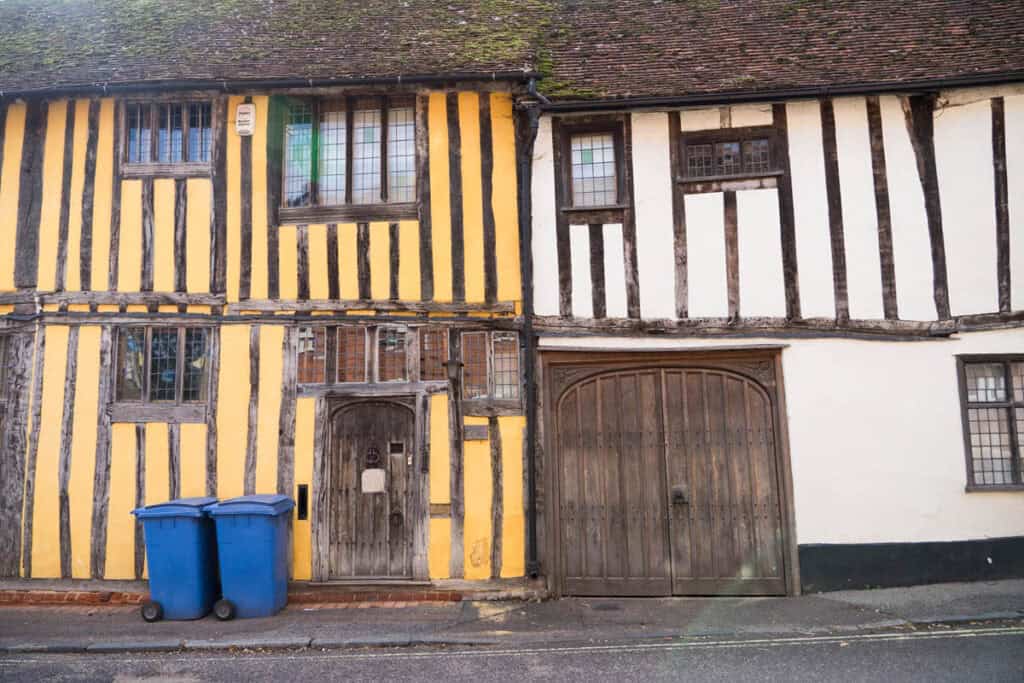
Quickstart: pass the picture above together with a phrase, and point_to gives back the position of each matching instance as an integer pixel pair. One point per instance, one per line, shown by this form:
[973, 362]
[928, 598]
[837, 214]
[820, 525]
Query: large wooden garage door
[668, 484]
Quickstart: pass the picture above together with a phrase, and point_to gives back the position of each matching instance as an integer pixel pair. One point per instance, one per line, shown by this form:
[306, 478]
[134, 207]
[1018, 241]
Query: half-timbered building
[639, 298]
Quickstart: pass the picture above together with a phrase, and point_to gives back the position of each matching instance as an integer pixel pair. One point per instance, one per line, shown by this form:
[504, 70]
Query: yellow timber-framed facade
[177, 329]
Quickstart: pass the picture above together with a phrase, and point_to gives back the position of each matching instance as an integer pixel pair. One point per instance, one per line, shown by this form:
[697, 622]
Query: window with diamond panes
[312, 361]
[433, 354]
[358, 152]
[351, 356]
[164, 365]
[594, 173]
[168, 133]
[994, 421]
[706, 157]
[391, 366]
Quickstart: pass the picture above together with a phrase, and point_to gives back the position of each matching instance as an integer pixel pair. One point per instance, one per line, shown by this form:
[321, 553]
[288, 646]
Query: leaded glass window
[994, 420]
[167, 365]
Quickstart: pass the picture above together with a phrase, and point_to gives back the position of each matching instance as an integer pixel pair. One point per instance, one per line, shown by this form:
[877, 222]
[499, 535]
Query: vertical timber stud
[835, 210]
[423, 192]
[249, 485]
[497, 497]
[884, 216]
[1002, 202]
[732, 253]
[174, 459]
[363, 260]
[140, 497]
[333, 277]
[245, 165]
[458, 506]
[786, 220]
[147, 236]
[115, 209]
[629, 222]
[597, 286]
[67, 426]
[678, 213]
[33, 450]
[275, 156]
[60, 281]
[302, 267]
[219, 179]
[561, 224]
[211, 413]
[286, 424]
[88, 193]
[180, 235]
[918, 110]
[393, 261]
[12, 447]
[101, 475]
[455, 197]
[30, 197]
[487, 191]
[526, 123]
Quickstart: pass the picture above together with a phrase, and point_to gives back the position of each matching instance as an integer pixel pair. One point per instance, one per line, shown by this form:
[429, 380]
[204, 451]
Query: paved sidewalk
[105, 628]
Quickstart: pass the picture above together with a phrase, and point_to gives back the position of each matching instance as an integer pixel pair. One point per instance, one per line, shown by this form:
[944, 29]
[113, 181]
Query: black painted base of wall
[828, 567]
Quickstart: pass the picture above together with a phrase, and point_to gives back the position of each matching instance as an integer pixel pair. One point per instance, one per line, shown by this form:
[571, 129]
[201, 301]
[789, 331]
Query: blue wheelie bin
[182, 555]
[252, 546]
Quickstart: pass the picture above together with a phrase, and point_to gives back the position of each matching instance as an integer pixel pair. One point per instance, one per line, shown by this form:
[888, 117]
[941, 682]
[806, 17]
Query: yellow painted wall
[269, 407]
[503, 199]
[129, 264]
[258, 288]
[234, 185]
[102, 196]
[305, 432]
[53, 179]
[193, 460]
[380, 269]
[120, 556]
[288, 246]
[348, 263]
[438, 563]
[163, 235]
[317, 240]
[81, 138]
[440, 455]
[10, 182]
[513, 531]
[472, 199]
[232, 410]
[197, 234]
[83, 448]
[476, 526]
[409, 261]
[440, 203]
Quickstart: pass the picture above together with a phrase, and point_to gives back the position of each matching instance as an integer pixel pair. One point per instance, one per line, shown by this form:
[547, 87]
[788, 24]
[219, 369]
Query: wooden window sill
[487, 407]
[994, 488]
[349, 213]
[158, 412]
[586, 215]
[169, 170]
[733, 176]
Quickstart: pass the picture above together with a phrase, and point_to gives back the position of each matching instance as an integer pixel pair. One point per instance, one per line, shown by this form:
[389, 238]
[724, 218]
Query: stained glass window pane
[298, 142]
[506, 366]
[366, 156]
[593, 170]
[163, 364]
[401, 155]
[131, 358]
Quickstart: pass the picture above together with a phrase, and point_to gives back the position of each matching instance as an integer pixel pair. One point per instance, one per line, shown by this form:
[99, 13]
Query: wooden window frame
[489, 400]
[147, 409]
[732, 181]
[383, 210]
[371, 361]
[564, 132]
[1010, 405]
[154, 168]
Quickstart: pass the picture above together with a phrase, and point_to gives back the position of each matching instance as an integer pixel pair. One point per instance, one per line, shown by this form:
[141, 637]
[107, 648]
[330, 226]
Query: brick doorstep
[69, 597]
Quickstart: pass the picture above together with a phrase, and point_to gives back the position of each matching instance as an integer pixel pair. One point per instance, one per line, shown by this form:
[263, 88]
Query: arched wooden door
[370, 494]
[668, 484]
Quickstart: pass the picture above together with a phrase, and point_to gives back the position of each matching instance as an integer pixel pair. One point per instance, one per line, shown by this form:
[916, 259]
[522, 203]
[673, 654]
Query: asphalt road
[989, 654]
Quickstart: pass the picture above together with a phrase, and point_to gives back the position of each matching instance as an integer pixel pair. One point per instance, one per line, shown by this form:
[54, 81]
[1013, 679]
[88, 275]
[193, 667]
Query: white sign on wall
[245, 119]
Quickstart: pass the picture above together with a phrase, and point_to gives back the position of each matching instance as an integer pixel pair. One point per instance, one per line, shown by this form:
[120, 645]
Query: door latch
[680, 496]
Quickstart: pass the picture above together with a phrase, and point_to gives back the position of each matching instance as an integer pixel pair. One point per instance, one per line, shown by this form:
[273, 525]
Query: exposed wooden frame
[718, 182]
[882, 210]
[835, 209]
[575, 366]
[1002, 203]
[1010, 405]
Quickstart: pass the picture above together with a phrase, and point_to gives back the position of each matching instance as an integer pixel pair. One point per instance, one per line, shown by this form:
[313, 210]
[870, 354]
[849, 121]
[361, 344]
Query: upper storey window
[167, 136]
[349, 151]
[594, 175]
[729, 153]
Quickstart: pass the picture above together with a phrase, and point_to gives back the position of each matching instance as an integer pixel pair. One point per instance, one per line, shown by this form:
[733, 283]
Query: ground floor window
[162, 365]
[490, 365]
[992, 399]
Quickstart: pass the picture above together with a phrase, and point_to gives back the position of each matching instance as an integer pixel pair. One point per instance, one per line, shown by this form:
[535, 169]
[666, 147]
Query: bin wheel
[224, 610]
[152, 611]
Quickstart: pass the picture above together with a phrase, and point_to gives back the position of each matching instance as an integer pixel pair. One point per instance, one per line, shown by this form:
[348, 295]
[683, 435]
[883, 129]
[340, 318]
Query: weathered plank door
[668, 485]
[370, 530]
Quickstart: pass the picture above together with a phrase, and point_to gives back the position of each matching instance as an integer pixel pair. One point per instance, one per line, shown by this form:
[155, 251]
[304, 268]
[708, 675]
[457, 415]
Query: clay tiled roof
[585, 49]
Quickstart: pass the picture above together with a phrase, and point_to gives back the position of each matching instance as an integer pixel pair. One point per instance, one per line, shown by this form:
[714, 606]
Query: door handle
[680, 496]
[396, 519]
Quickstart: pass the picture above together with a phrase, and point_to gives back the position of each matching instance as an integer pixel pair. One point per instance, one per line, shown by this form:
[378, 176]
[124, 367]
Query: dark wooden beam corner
[678, 215]
[455, 197]
[882, 211]
[786, 217]
[1002, 195]
[60, 279]
[30, 196]
[835, 210]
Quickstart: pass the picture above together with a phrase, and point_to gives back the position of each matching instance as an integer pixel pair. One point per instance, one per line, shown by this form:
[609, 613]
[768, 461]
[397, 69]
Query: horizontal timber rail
[330, 305]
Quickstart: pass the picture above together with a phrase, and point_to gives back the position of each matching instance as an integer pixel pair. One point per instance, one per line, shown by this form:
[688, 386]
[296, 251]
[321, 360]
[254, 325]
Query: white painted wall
[652, 191]
[967, 192]
[810, 210]
[911, 246]
[614, 272]
[582, 290]
[1014, 111]
[762, 289]
[876, 439]
[545, 242]
[860, 217]
[707, 292]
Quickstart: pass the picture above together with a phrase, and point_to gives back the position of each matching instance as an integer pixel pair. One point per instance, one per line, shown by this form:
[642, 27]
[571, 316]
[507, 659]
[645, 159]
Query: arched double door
[668, 483]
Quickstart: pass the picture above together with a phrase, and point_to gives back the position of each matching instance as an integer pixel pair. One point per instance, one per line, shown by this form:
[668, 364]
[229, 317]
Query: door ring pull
[680, 496]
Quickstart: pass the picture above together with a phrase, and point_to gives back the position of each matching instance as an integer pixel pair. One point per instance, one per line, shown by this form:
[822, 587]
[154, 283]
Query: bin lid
[260, 504]
[180, 507]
